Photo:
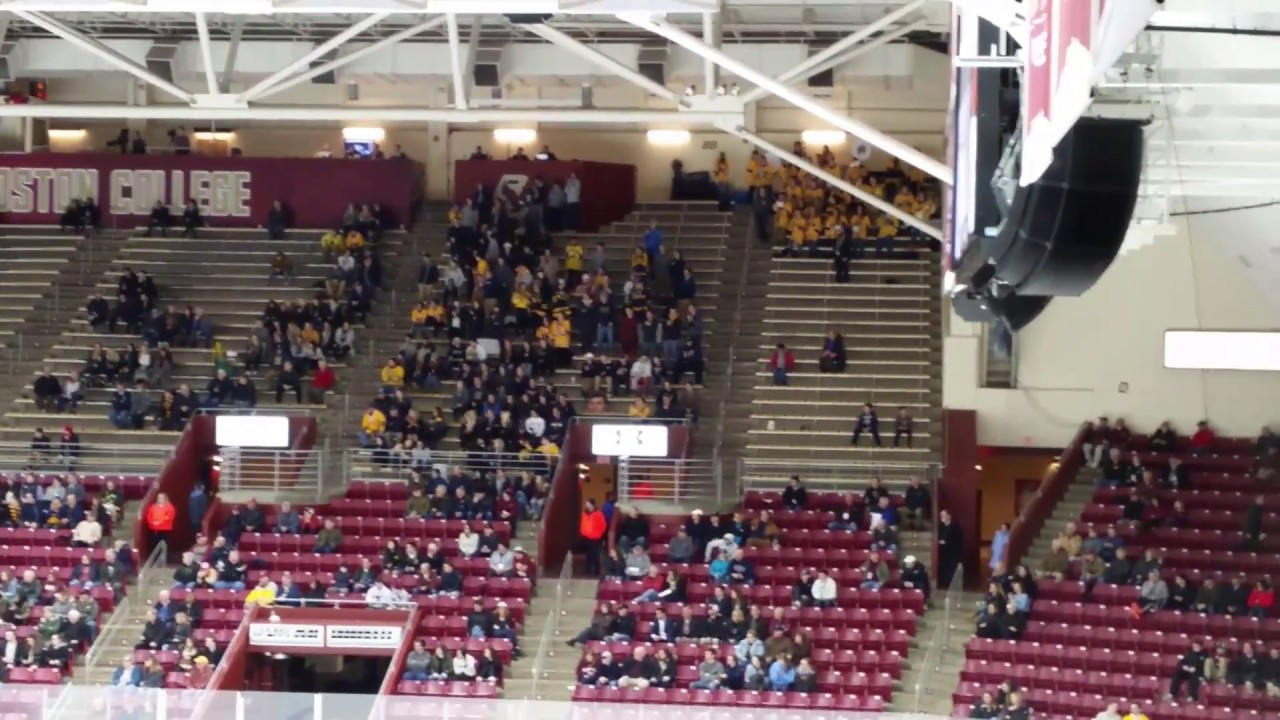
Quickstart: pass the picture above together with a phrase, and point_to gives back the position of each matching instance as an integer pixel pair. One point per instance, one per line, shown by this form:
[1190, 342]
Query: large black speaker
[1063, 231]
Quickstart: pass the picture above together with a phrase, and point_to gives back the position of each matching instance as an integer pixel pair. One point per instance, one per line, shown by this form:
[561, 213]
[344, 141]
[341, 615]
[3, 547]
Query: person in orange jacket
[159, 518]
[592, 528]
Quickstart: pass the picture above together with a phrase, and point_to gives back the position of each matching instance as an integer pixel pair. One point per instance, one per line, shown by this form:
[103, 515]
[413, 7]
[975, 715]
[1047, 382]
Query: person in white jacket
[641, 375]
[824, 590]
[1111, 713]
[468, 542]
[381, 596]
[535, 425]
[464, 666]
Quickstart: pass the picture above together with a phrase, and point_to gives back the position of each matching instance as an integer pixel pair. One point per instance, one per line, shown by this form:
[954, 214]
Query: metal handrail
[829, 475]
[734, 327]
[290, 410]
[940, 637]
[274, 470]
[670, 480]
[550, 628]
[90, 459]
[121, 620]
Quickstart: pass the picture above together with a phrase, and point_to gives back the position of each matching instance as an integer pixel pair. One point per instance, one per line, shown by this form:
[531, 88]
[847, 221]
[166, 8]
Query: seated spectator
[1203, 440]
[1189, 672]
[782, 675]
[277, 221]
[711, 672]
[847, 515]
[599, 627]
[833, 358]
[795, 496]
[502, 562]
[741, 570]
[637, 562]
[1244, 668]
[639, 671]
[824, 590]
[615, 565]
[328, 540]
[263, 594]
[875, 571]
[1153, 594]
[1056, 564]
[1261, 599]
[633, 530]
[726, 543]
[281, 269]
[883, 537]
[127, 674]
[464, 667]
[781, 364]
[987, 709]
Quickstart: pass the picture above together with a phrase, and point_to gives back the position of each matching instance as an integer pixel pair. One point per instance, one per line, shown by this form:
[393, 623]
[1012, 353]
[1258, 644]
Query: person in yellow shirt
[548, 448]
[354, 240]
[753, 169]
[639, 408]
[331, 245]
[455, 214]
[310, 335]
[573, 261]
[418, 316]
[560, 333]
[856, 172]
[372, 424]
[721, 175]
[639, 260]
[264, 595]
[520, 304]
[886, 231]
[392, 374]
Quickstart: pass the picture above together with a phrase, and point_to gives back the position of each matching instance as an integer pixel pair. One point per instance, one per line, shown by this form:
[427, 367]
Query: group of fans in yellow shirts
[807, 212]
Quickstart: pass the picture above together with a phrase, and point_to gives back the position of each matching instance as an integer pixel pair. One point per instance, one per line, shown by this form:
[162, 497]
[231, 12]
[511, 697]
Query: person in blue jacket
[781, 675]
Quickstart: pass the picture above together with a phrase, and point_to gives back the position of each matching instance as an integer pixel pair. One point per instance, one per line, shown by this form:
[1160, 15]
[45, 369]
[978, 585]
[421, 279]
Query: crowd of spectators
[63, 612]
[811, 217]
[170, 626]
[1097, 555]
[747, 646]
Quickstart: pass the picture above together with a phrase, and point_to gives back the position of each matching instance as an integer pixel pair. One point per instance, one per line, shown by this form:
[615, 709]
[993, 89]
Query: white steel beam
[354, 55]
[473, 47]
[813, 65]
[206, 53]
[295, 113]
[888, 143]
[1004, 14]
[836, 182]
[880, 41]
[90, 45]
[710, 72]
[456, 62]
[363, 24]
[233, 51]
[560, 39]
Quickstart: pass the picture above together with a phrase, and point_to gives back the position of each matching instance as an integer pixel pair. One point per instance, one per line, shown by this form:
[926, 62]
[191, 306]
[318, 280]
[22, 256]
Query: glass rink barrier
[29, 702]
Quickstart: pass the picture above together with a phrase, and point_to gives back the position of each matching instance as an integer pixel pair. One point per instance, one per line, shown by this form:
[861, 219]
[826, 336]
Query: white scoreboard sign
[629, 440]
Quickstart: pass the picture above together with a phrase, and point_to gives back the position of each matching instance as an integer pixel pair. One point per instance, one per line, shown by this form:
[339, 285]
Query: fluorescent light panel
[1221, 350]
[823, 137]
[515, 136]
[668, 137]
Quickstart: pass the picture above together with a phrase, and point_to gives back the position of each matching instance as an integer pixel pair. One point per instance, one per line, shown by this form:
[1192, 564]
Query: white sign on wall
[251, 431]
[629, 440]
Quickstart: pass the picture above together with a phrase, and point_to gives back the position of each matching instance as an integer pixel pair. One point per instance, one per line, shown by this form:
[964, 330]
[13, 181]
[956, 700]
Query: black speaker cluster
[1061, 233]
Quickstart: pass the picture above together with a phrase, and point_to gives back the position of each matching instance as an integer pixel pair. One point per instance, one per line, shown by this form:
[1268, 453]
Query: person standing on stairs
[592, 528]
[950, 548]
[159, 518]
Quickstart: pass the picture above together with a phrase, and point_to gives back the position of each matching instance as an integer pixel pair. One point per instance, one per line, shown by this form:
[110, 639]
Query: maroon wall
[1029, 524]
[560, 515]
[608, 189]
[957, 490]
[183, 470]
[232, 191]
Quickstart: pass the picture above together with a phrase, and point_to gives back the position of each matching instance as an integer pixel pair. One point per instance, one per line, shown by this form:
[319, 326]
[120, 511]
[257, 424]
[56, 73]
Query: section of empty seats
[830, 348]
[1160, 595]
[752, 609]
[552, 321]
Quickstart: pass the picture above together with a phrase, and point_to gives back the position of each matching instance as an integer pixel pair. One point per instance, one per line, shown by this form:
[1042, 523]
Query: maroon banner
[231, 191]
[608, 189]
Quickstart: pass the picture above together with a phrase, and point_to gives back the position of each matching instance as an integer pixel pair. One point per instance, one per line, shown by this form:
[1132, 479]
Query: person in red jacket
[321, 382]
[1261, 599]
[781, 363]
[592, 528]
[1203, 440]
[159, 518]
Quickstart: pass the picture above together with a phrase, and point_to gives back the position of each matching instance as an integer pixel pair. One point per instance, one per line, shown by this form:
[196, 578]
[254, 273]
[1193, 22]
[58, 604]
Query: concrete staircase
[890, 316]
[559, 669]
[928, 681]
[1069, 509]
[747, 280]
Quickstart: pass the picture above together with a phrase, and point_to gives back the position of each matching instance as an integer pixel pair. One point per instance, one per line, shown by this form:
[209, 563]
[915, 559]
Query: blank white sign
[263, 431]
[1221, 350]
[629, 440]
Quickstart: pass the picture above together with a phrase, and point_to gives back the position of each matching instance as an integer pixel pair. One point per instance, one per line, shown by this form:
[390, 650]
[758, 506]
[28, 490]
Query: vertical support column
[438, 161]
[28, 134]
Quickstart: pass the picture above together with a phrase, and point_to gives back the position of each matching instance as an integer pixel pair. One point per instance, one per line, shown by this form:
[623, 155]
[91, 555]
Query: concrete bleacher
[697, 230]
[889, 316]
[225, 272]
